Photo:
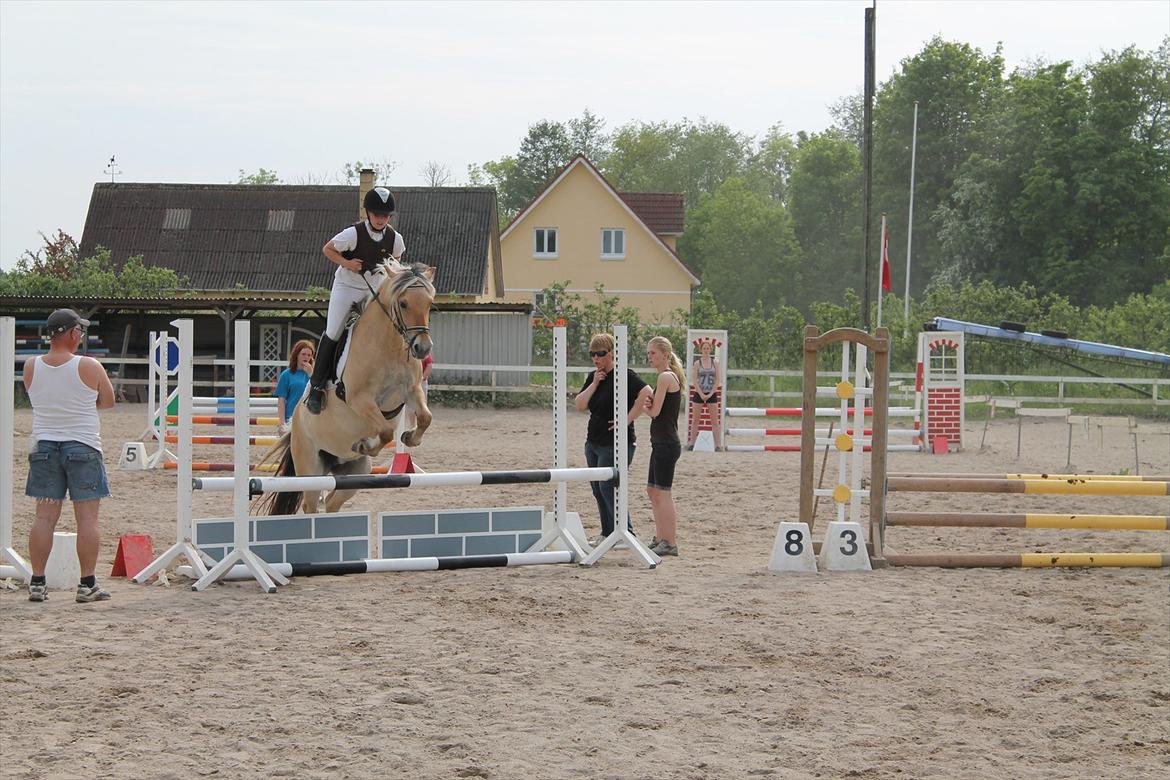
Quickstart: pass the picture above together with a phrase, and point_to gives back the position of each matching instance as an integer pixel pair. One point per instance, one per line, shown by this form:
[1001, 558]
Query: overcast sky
[194, 92]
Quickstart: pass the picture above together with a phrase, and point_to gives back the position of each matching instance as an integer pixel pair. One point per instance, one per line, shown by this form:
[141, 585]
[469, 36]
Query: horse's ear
[429, 274]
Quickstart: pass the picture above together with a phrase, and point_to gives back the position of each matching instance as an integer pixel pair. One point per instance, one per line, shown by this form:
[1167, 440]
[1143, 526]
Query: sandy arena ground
[708, 667]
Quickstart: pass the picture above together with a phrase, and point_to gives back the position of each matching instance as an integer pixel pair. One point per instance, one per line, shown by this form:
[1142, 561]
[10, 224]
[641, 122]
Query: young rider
[359, 252]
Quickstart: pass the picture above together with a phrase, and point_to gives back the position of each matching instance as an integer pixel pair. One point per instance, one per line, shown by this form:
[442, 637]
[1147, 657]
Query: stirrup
[315, 401]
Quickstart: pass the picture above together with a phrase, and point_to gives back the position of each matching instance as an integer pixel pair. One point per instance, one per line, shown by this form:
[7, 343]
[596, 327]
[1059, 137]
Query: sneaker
[597, 540]
[38, 592]
[664, 548]
[86, 595]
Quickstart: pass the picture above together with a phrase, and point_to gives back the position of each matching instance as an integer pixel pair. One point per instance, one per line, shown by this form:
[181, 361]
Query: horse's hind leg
[337, 498]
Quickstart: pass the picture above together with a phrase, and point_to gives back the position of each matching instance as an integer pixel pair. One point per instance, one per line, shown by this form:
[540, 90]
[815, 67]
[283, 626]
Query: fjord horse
[382, 376]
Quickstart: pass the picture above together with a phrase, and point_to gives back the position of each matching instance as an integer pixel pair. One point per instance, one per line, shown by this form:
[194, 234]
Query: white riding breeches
[341, 300]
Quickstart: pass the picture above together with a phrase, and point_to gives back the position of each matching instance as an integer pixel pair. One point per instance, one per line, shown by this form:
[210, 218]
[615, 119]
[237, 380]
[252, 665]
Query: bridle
[409, 333]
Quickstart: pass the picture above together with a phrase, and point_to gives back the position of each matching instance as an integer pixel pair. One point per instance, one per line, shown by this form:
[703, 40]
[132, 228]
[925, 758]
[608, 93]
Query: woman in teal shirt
[291, 383]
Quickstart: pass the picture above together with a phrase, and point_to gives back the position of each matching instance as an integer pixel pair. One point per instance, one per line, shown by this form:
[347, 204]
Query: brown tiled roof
[661, 211]
[225, 242]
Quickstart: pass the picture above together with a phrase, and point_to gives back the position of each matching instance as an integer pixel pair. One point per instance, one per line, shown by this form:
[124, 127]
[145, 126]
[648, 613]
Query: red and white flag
[886, 285]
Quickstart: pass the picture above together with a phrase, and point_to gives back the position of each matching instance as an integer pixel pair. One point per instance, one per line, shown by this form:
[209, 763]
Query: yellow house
[580, 230]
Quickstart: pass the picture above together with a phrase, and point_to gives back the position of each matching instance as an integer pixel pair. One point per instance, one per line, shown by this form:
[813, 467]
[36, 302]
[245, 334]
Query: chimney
[365, 184]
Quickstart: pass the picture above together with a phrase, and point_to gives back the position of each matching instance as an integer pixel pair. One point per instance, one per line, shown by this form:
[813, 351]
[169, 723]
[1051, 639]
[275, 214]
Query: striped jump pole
[1028, 520]
[259, 486]
[1095, 477]
[820, 442]
[821, 411]
[1031, 560]
[1080, 487]
[903, 432]
[225, 421]
[374, 565]
[174, 439]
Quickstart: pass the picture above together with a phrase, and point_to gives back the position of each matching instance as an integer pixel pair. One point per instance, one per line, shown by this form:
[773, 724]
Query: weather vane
[112, 169]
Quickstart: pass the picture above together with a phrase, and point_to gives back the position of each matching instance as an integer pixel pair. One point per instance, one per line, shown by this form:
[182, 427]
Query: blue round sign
[172, 356]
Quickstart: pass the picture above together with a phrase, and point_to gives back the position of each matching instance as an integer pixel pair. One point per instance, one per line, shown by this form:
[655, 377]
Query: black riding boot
[322, 369]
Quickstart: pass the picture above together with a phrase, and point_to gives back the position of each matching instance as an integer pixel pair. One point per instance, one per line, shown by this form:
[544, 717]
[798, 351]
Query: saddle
[342, 352]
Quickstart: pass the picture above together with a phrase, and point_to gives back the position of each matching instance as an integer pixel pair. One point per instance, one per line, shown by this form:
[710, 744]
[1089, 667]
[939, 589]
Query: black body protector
[372, 253]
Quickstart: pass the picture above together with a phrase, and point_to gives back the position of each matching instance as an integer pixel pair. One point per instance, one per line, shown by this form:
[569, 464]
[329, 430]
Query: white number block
[844, 548]
[793, 550]
[705, 442]
[133, 456]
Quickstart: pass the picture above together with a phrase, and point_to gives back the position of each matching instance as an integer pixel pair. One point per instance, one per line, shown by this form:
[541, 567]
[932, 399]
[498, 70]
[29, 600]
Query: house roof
[582, 160]
[662, 212]
[19, 305]
[226, 235]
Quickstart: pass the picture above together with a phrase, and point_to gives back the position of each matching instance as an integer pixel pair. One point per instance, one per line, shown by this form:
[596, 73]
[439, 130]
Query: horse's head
[407, 296]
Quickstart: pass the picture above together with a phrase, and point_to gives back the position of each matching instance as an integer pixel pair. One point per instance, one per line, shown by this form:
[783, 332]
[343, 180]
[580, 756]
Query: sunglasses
[603, 353]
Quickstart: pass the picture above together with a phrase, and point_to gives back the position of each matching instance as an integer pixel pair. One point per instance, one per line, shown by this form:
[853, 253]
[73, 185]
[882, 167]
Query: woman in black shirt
[665, 447]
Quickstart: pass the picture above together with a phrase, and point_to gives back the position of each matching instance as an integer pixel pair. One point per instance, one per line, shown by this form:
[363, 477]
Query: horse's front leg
[422, 416]
[383, 429]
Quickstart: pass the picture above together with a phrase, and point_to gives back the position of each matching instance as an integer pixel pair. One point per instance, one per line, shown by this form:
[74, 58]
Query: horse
[381, 376]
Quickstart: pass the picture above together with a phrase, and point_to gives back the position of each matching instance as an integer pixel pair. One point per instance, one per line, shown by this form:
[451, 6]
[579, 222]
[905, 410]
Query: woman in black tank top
[665, 447]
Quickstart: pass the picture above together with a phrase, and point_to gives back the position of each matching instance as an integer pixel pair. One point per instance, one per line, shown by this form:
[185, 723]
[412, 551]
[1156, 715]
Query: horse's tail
[280, 503]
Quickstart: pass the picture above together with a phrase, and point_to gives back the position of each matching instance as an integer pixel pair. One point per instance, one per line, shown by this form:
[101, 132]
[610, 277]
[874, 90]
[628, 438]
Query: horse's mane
[407, 276]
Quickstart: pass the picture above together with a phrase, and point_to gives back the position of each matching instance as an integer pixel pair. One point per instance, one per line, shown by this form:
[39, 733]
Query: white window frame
[556, 240]
[613, 255]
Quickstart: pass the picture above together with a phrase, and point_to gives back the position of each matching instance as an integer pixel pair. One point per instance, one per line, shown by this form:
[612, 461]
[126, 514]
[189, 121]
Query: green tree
[957, 88]
[745, 247]
[769, 169]
[694, 158]
[383, 169]
[261, 176]
[825, 204]
[58, 269]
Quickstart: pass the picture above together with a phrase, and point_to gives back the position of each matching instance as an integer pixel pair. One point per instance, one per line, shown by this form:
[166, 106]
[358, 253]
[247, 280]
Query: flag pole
[884, 265]
[910, 223]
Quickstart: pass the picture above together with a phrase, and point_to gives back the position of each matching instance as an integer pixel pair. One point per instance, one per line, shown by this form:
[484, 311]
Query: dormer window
[613, 243]
[544, 242]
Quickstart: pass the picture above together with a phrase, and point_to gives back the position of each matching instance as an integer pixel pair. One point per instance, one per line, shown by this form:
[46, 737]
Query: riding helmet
[379, 201]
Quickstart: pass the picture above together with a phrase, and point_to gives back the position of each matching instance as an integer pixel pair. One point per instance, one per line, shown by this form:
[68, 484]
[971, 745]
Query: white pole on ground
[560, 531]
[261, 570]
[7, 431]
[621, 493]
[184, 546]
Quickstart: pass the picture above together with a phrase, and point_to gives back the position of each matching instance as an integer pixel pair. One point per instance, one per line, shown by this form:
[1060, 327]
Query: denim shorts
[57, 465]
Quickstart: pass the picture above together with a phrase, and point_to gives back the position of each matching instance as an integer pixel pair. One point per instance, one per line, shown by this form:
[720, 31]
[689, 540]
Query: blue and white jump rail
[241, 562]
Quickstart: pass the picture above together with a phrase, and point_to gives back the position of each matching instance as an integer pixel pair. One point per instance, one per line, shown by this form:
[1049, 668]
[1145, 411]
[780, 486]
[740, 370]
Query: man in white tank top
[65, 454]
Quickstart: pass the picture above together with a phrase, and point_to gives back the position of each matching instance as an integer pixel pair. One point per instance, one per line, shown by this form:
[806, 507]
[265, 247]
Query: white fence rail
[901, 389]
